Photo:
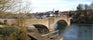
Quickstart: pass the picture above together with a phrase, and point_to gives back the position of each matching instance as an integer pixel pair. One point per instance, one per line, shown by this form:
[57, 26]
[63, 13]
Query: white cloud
[47, 5]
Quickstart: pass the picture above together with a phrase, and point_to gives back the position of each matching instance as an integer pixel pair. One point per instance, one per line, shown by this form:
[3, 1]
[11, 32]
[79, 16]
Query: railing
[48, 35]
[45, 32]
[52, 34]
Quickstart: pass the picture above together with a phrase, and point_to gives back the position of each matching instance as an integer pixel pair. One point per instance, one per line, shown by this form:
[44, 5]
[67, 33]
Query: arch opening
[61, 26]
[42, 29]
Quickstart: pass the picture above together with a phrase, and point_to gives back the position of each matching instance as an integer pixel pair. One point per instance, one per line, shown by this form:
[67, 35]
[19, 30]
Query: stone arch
[42, 29]
[61, 25]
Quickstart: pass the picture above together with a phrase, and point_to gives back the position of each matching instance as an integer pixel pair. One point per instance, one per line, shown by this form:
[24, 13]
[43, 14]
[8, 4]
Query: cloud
[47, 5]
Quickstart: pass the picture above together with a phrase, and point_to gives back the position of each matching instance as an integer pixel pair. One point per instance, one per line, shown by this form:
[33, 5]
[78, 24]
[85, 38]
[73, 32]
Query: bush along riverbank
[9, 32]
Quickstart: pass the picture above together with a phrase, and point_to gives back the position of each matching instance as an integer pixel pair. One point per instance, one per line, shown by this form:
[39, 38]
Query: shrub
[13, 33]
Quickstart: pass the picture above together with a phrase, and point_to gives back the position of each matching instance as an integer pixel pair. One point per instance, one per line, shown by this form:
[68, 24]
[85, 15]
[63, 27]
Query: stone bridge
[49, 22]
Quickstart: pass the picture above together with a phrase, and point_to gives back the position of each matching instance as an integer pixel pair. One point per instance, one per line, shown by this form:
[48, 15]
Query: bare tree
[6, 5]
[14, 5]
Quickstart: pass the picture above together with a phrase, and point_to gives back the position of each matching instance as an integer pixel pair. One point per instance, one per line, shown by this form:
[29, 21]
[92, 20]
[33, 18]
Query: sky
[61, 5]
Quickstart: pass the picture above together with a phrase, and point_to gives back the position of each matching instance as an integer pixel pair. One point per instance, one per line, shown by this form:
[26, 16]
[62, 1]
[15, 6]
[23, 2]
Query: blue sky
[61, 5]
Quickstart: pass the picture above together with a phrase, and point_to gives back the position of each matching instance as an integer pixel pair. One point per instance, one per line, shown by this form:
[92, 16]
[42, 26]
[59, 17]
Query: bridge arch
[42, 29]
[61, 25]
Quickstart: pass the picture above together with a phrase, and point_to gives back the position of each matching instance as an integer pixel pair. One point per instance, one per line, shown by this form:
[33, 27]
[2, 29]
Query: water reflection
[78, 32]
[71, 33]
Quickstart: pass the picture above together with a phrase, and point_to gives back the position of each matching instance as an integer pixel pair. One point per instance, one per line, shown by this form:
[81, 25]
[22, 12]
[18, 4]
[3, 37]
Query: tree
[86, 9]
[84, 13]
[14, 5]
[79, 10]
[80, 7]
[6, 5]
[17, 7]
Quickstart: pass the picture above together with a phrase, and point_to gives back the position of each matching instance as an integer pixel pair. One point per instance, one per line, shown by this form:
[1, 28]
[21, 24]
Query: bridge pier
[51, 23]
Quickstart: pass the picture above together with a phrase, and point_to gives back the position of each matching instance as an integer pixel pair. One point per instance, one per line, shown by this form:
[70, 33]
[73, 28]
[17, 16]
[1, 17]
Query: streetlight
[52, 15]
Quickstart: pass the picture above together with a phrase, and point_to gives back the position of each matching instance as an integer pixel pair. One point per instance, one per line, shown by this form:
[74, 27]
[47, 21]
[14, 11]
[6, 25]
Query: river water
[79, 32]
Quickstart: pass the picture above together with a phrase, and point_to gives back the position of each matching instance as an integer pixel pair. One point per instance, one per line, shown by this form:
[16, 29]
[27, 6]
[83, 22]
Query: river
[79, 32]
